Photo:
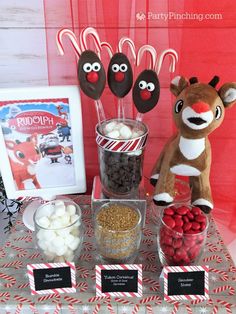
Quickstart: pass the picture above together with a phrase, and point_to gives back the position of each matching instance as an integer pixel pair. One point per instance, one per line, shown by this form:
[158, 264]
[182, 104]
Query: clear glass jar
[118, 232]
[121, 160]
[182, 235]
[59, 231]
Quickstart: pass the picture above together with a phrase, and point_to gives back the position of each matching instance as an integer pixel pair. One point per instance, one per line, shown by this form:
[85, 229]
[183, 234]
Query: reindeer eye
[123, 67]
[150, 87]
[142, 84]
[20, 154]
[179, 105]
[96, 66]
[87, 67]
[218, 113]
[115, 68]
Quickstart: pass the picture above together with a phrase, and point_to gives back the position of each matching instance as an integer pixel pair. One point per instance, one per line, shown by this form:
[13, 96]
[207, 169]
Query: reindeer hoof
[154, 179]
[162, 199]
[203, 204]
[205, 209]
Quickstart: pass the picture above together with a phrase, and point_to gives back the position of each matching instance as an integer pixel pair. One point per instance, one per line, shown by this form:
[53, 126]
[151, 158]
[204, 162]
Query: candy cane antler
[152, 52]
[163, 54]
[108, 48]
[131, 45]
[83, 38]
[73, 39]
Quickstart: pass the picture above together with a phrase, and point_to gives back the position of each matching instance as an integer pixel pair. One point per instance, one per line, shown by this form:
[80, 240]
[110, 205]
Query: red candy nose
[92, 77]
[200, 107]
[145, 94]
[119, 76]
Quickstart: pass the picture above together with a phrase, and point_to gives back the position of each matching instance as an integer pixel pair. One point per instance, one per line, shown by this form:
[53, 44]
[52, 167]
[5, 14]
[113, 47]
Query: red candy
[183, 210]
[196, 211]
[169, 221]
[169, 211]
[183, 238]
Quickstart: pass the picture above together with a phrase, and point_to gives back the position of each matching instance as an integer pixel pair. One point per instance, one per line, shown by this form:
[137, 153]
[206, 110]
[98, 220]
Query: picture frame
[41, 141]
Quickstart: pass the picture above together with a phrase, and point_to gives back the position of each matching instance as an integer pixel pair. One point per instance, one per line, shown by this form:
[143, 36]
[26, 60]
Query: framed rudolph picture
[41, 141]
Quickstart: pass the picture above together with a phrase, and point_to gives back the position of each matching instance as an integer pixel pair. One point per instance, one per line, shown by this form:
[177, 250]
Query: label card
[52, 278]
[186, 283]
[119, 280]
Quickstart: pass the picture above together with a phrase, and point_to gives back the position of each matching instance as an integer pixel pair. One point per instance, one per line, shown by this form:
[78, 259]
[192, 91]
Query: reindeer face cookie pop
[91, 74]
[120, 74]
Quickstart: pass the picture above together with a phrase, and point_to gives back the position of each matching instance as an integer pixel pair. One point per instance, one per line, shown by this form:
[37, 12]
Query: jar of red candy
[182, 235]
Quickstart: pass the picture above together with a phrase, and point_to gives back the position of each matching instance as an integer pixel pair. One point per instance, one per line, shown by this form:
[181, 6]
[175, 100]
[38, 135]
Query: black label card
[52, 278]
[116, 280]
[186, 283]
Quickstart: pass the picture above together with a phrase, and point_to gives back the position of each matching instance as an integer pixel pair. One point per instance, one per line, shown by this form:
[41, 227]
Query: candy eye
[20, 154]
[87, 67]
[123, 67]
[218, 113]
[142, 84]
[96, 66]
[150, 87]
[179, 106]
[115, 68]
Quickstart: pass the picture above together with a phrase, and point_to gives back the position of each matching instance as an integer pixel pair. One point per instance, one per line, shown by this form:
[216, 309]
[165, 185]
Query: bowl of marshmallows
[59, 231]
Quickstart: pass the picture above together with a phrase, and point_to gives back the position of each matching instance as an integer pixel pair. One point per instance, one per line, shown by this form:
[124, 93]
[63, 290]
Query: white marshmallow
[135, 134]
[110, 126]
[69, 239]
[125, 132]
[59, 203]
[56, 224]
[58, 241]
[114, 134]
[43, 245]
[71, 209]
[65, 220]
[46, 210]
[60, 210]
[61, 250]
[48, 235]
[63, 232]
[43, 222]
[73, 245]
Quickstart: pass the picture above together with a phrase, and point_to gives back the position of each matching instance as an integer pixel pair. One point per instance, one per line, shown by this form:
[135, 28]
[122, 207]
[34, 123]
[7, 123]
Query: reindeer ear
[227, 94]
[178, 84]
[10, 144]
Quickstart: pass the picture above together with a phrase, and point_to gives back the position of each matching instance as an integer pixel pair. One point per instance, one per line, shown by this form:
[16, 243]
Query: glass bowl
[182, 235]
[59, 231]
[118, 232]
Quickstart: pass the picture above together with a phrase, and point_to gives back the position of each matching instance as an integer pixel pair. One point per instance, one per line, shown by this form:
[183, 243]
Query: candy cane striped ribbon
[224, 276]
[18, 308]
[110, 308]
[15, 264]
[71, 309]
[136, 309]
[188, 308]
[4, 297]
[224, 288]
[97, 308]
[215, 309]
[149, 309]
[33, 308]
[58, 308]
[83, 286]
[226, 305]
[123, 301]
[24, 285]
[22, 299]
[214, 257]
[72, 300]
[48, 297]
[175, 309]
[11, 280]
[227, 256]
[149, 299]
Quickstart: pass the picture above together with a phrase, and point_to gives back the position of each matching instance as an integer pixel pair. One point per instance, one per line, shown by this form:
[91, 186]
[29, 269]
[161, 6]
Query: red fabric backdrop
[206, 46]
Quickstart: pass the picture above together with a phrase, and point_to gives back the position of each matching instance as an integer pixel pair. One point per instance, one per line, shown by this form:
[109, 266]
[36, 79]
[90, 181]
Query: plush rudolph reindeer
[23, 159]
[198, 110]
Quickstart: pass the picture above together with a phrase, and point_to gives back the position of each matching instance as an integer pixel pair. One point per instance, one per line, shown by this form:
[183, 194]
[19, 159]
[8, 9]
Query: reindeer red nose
[200, 107]
[145, 94]
[92, 77]
[119, 76]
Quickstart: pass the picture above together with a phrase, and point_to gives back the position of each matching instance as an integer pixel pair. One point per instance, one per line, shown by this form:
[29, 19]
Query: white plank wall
[22, 44]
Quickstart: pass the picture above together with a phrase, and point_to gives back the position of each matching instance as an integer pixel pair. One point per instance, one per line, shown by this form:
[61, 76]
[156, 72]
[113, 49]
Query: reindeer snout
[200, 107]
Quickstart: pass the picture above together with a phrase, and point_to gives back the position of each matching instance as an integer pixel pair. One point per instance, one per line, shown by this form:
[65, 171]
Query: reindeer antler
[163, 54]
[73, 39]
[152, 52]
[131, 45]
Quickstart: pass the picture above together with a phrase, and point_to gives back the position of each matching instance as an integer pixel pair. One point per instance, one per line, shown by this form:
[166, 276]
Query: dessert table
[19, 251]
